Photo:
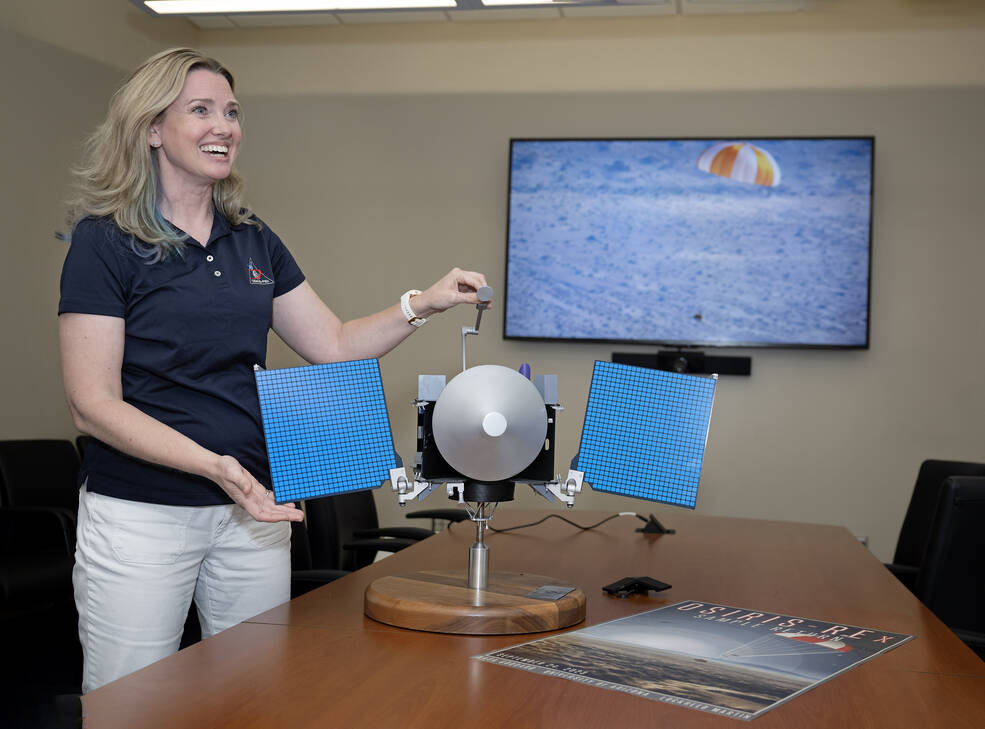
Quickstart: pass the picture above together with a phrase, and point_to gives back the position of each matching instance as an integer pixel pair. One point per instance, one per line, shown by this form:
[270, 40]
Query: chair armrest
[69, 519]
[907, 574]
[975, 641]
[415, 533]
[379, 545]
[453, 515]
[30, 530]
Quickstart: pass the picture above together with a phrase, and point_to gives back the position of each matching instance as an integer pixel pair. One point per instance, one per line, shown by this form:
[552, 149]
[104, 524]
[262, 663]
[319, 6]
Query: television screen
[690, 242]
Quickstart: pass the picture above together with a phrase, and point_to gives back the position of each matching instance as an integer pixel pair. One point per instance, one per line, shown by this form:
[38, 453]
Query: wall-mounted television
[737, 242]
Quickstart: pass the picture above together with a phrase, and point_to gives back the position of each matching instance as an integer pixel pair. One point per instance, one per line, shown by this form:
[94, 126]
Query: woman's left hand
[455, 287]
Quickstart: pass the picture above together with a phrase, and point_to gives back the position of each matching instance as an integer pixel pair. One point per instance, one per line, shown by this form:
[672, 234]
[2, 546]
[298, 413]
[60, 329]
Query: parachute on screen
[742, 162]
[788, 644]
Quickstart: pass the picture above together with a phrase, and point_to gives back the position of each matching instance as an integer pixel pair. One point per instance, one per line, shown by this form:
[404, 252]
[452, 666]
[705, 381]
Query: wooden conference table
[317, 661]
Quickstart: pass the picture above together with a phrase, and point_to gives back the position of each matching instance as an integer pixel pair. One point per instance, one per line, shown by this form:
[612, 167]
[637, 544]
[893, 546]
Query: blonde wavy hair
[119, 175]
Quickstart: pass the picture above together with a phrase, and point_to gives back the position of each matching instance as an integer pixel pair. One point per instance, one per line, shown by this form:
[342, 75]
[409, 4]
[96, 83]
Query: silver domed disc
[489, 423]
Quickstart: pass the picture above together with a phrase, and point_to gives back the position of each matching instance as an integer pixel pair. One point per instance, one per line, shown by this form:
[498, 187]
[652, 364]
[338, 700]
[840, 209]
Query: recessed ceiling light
[232, 7]
[491, 3]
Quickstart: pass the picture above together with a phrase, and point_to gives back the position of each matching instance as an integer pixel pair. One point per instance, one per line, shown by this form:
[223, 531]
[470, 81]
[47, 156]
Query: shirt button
[210, 258]
[217, 274]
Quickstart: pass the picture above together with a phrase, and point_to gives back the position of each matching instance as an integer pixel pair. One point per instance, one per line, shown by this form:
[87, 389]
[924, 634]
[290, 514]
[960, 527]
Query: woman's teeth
[219, 149]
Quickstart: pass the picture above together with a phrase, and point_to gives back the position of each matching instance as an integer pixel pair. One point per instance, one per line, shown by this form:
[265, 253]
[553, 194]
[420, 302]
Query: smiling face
[198, 135]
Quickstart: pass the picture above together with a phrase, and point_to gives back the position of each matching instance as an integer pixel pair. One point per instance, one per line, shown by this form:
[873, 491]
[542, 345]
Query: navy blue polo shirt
[196, 324]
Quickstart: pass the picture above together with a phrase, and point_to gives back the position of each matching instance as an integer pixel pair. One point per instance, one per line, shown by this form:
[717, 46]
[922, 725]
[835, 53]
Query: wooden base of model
[442, 602]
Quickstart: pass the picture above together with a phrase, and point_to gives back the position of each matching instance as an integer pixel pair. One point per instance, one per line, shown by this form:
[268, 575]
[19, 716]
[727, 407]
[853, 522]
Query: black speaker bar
[697, 363]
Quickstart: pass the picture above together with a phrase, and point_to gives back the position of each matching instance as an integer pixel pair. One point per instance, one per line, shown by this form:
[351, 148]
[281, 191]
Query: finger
[274, 513]
[283, 514]
[286, 510]
[468, 287]
[472, 297]
[472, 279]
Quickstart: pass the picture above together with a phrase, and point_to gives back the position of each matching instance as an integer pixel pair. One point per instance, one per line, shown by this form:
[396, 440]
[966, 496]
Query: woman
[168, 291]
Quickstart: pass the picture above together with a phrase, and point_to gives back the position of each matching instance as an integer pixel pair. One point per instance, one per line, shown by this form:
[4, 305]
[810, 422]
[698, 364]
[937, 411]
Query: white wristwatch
[412, 318]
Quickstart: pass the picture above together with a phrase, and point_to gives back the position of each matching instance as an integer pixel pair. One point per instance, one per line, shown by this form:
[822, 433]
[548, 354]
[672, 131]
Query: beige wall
[50, 99]
[59, 64]
[844, 44]
[110, 32]
[379, 154]
[376, 194]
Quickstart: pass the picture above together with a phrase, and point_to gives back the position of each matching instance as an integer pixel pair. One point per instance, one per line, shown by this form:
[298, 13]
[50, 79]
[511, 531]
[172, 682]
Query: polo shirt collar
[221, 227]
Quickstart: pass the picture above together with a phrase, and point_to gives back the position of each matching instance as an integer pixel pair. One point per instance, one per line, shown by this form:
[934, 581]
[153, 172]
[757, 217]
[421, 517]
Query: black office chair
[41, 653]
[36, 560]
[307, 572]
[41, 474]
[915, 531]
[951, 581]
[452, 516]
[341, 533]
[344, 532]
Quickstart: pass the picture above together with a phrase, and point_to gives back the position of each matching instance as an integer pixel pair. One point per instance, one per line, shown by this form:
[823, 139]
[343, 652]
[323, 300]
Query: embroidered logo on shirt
[258, 277]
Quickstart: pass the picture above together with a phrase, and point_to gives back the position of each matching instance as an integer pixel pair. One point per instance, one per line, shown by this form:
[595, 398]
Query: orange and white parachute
[742, 162]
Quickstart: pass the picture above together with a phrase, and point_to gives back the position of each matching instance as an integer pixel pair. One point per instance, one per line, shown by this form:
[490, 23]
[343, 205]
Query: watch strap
[412, 318]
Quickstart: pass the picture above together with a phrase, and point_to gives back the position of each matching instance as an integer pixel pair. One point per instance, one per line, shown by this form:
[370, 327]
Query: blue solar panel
[327, 429]
[645, 433]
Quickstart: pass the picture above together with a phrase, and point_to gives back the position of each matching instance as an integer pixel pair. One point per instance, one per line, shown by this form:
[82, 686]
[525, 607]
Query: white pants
[138, 566]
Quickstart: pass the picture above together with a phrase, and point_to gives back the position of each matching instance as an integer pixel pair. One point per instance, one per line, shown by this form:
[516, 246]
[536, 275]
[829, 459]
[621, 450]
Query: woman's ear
[154, 138]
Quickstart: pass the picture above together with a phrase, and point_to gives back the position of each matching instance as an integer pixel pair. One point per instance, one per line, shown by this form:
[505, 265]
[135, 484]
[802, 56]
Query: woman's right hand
[251, 494]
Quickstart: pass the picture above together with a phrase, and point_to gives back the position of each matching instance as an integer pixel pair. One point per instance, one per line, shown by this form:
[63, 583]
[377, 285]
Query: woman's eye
[233, 113]
[200, 110]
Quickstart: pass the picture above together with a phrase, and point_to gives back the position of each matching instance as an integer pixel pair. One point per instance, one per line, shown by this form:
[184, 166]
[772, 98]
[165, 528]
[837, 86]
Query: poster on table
[718, 658]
